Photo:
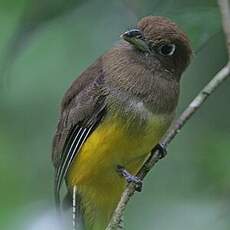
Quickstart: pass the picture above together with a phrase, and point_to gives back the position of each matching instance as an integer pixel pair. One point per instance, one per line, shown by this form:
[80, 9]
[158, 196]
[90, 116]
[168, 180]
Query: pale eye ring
[166, 49]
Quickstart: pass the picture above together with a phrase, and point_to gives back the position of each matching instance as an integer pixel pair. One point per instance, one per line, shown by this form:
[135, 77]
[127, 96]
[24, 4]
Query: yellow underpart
[94, 169]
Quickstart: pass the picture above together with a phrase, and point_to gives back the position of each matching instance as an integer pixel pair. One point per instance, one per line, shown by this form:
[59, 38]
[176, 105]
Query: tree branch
[219, 78]
[225, 14]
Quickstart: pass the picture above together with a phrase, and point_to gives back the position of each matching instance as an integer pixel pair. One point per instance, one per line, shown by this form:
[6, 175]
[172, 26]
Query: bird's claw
[162, 150]
[130, 178]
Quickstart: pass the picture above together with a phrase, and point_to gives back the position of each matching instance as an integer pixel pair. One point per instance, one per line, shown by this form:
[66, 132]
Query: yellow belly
[111, 144]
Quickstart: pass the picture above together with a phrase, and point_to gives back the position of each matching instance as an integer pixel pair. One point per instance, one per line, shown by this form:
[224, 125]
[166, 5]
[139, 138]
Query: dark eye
[167, 49]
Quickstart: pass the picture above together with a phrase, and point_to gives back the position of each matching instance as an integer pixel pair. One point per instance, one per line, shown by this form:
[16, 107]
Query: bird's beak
[136, 38]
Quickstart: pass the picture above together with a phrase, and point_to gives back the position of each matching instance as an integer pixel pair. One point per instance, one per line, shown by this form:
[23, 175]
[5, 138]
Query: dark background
[44, 45]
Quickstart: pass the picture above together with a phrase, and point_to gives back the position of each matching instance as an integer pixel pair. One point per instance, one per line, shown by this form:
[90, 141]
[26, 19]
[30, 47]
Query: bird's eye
[167, 49]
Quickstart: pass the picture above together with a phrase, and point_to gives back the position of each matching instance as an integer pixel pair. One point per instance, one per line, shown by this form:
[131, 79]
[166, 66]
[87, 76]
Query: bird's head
[158, 37]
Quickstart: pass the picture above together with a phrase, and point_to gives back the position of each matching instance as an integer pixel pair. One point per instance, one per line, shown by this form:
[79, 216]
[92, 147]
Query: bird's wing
[81, 113]
[74, 141]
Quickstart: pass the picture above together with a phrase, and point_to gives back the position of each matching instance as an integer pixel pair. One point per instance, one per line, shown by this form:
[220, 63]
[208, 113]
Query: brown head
[148, 63]
[158, 37]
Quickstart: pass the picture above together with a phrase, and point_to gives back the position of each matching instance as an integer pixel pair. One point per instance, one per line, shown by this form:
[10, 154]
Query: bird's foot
[162, 150]
[130, 178]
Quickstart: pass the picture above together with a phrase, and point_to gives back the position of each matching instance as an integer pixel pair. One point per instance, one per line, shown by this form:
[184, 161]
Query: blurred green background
[44, 45]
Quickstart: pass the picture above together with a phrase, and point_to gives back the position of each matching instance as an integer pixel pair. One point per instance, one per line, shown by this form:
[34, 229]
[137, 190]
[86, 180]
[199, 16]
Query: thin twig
[225, 14]
[219, 78]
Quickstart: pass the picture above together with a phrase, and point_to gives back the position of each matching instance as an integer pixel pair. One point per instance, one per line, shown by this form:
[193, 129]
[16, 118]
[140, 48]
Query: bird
[115, 113]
